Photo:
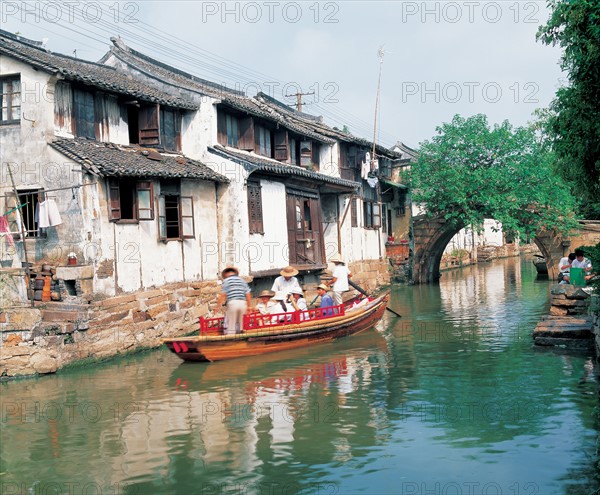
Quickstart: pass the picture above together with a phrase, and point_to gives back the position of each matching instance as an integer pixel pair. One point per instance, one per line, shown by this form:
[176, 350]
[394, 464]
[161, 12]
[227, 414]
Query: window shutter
[187, 217]
[162, 219]
[246, 130]
[149, 128]
[255, 214]
[353, 213]
[281, 145]
[376, 215]
[114, 200]
[83, 110]
[145, 200]
[178, 131]
[305, 153]
[316, 160]
[221, 128]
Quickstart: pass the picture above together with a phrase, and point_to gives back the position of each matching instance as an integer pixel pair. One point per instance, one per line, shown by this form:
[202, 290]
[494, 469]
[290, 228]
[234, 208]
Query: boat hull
[218, 348]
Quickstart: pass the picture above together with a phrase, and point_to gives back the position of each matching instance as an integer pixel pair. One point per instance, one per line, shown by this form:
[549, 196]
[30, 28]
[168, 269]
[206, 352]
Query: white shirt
[585, 263]
[285, 286]
[564, 261]
[340, 273]
[265, 309]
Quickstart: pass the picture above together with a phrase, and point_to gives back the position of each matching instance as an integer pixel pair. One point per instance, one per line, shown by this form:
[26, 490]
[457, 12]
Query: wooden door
[305, 233]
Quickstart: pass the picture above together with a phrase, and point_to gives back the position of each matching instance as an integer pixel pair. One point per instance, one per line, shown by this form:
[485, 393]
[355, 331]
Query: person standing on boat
[265, 304]
[286, 281]
[339, 282]
[236, 292]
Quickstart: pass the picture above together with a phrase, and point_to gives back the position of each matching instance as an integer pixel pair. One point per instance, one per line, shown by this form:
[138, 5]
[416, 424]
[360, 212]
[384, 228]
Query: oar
[363, 291]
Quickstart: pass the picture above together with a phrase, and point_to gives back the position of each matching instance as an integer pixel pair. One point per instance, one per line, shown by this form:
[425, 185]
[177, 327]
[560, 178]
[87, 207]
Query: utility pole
[299, 96]
[380, 54]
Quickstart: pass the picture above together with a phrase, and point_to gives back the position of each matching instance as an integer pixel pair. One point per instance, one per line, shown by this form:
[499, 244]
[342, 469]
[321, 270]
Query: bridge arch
[432, 235]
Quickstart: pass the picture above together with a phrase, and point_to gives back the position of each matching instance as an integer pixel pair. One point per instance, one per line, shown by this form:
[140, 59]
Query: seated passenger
[298, 302]
[265, 304]
[280, 308]
[326, 300]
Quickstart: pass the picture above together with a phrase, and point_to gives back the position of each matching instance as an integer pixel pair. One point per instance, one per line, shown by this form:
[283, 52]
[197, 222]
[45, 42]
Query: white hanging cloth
[48, 215]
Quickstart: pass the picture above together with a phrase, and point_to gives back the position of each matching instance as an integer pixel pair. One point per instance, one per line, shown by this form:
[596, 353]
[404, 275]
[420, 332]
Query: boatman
[339, 282]
[286, 281]
[236, 292]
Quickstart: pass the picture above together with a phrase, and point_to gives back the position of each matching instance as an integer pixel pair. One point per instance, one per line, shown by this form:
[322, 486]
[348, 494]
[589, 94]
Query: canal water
[452, 398]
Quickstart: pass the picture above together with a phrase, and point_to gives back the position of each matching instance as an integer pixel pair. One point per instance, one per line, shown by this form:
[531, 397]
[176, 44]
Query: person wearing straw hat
[281, 307]
[265, 304]
[298, 302]
[339, 282]
[286, 281]
[236, 292]
[326, 300]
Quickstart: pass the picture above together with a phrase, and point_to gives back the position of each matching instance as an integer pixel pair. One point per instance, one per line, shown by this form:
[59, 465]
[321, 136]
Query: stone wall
[370, 274]
[52, 335]
[595, 312]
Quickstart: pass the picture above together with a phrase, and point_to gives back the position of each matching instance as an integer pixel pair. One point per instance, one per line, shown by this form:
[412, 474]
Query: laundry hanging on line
[47, 215]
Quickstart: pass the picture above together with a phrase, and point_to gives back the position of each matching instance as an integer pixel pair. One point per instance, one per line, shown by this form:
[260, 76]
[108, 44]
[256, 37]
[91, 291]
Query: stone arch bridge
[431, 235]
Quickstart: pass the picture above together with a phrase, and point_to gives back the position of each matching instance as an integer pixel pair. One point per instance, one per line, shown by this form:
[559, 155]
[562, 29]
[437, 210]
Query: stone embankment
[53, 335]
[568, 324]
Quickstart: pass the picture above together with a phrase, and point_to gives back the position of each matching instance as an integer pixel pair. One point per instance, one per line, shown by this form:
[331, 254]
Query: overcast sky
[441, 58]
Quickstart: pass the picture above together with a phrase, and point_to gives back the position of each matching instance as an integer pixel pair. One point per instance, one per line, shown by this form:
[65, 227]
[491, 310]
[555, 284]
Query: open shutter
[162, 219]
[149, 128]
[281, 145]
[305, 153]
[83, 113]
[178, 131]
[376, 215]
[145, 200]
[255, 214]
[114, 200]
[246, 130]
[353, 212]
[187, 217]
[316, 159]
[221, 128]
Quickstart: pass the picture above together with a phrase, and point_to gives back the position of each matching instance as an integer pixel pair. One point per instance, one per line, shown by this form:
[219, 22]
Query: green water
[450, 399]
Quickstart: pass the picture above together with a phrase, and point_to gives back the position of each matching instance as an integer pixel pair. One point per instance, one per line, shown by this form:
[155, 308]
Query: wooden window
[281, 145]
[10, 99]
[222, 128]
[175, 217]
[246, 132]
[30, 198]
[233, 132]
[84, 114]
[170, 129]
[255, 212]
[294, 152]
[263, 144]
[130, 200]
[149, 125]
[305, 153]
[316, 155]
[372, 214]
[354, 212]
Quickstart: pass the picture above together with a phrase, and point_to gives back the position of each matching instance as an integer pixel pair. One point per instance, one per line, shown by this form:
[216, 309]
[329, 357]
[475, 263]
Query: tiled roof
[107, 159]
[90, 73]
[234, 99]
[257, 163]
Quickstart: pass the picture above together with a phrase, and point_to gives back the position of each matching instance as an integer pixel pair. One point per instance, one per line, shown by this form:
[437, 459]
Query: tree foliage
[469, 172]
[574, 123]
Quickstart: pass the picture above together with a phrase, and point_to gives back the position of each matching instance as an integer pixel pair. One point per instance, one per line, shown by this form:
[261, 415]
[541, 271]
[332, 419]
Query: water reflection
[451, 393]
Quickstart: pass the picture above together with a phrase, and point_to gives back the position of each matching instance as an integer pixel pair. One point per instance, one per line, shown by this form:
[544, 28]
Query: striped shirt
[235, 287]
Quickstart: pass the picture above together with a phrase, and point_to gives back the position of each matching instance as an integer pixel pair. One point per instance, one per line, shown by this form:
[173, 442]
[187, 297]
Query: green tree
[574, 123]
[469, 172]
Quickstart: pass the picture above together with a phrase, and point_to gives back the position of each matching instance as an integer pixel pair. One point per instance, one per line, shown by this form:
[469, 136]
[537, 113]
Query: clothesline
[51, 190]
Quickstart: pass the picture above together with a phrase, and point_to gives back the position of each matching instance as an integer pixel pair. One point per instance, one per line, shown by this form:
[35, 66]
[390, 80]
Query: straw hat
[323, 286]
[279, 296]
[337, 259]
[297, 290]
[266, 293]
[289, 271]
[230, 269]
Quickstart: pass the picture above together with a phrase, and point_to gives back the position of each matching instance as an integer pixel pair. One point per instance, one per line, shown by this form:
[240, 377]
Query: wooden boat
[265, 333]
[540, 264]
